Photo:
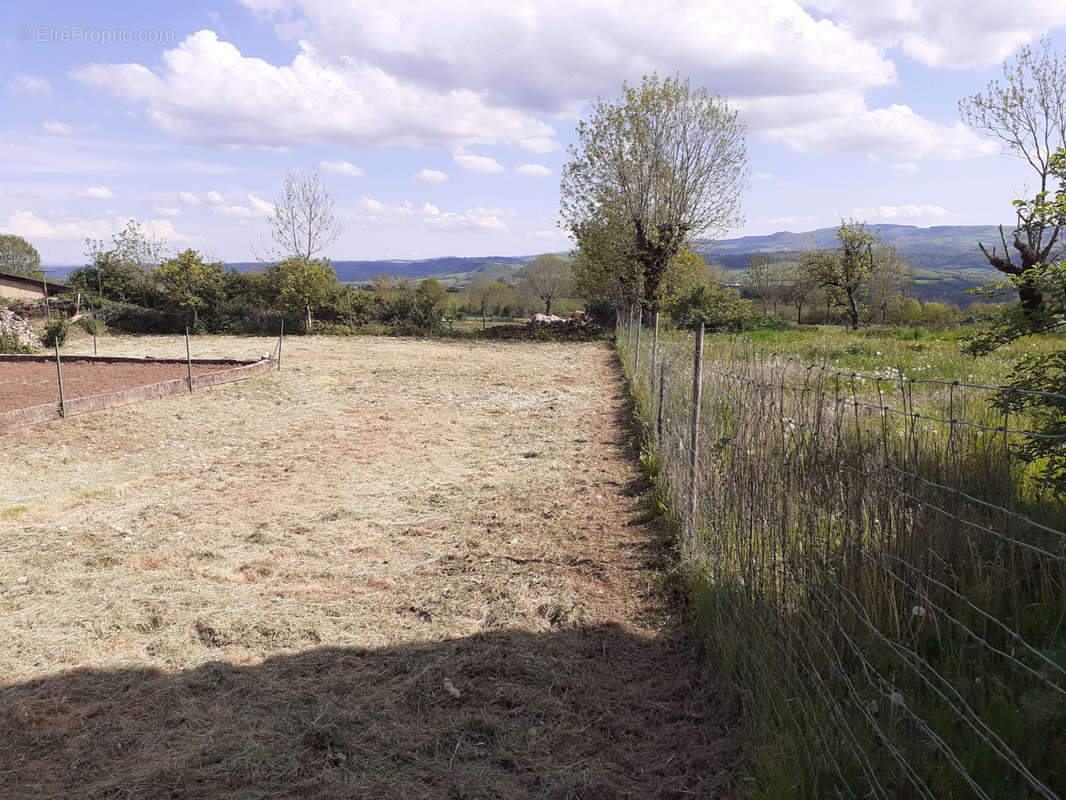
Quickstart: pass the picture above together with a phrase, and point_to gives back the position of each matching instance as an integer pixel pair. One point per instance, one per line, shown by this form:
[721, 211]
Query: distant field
[399, 568]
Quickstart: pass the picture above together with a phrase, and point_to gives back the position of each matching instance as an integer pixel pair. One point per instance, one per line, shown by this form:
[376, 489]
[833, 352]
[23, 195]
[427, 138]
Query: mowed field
[398, 568]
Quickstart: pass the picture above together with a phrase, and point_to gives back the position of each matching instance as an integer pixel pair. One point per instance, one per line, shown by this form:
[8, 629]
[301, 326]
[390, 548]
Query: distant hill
[945, 256]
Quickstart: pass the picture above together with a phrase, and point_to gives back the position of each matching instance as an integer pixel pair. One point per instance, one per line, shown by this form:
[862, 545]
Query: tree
[189, 283]
[605, 273]
[660, 166]
[484, 293]
[304, 284]
[1028, 114]
[768, 280]
[304, 222]
[846, 268]
[890, 278]
[19, 257]
[120, 272]
[549, 278]
[434, 291]
[801, 289]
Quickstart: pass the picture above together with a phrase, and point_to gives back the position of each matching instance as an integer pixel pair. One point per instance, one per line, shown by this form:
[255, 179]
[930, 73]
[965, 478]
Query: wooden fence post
[654, 359]
[694, 435]
[59, 372]
[281, 336]
[659, 413]
[636, 350]
[92, 315]
[188, 356]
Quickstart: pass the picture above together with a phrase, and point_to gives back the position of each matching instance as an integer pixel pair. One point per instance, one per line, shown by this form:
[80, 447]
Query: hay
[261, 590]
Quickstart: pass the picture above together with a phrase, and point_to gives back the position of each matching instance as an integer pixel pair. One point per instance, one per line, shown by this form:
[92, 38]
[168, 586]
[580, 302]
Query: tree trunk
[799, 313]
[853, 311]
[308, 317]
[547, 306]
[1029, 297]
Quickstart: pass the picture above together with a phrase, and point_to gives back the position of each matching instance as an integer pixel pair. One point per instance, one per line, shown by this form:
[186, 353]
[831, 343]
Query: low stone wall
[235, 370]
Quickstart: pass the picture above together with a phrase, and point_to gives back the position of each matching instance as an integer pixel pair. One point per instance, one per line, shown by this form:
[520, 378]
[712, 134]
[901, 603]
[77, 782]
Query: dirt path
[271, 589]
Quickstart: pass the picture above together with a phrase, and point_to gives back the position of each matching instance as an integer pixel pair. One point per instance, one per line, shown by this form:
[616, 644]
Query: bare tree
[304, 222]
[1027, 112]
[662, 165]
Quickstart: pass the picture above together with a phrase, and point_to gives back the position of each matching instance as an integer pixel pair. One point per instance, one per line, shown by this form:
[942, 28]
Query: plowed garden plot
[398, 568]
[24, 384]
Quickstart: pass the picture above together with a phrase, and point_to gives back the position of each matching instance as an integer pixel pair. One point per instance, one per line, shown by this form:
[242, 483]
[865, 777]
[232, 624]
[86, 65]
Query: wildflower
[918, 611]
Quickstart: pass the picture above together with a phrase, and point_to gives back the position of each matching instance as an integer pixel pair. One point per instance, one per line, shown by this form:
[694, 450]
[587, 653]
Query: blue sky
[441, 128]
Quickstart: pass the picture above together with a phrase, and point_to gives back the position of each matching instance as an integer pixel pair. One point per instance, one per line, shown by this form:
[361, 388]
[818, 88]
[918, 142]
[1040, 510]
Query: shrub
[56, 332]
[10, 344]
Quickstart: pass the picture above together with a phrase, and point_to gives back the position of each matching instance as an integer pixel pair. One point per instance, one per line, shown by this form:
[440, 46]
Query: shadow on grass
[584, 712]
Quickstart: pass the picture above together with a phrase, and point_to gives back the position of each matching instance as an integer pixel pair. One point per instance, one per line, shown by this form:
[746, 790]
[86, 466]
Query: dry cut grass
[397, 568]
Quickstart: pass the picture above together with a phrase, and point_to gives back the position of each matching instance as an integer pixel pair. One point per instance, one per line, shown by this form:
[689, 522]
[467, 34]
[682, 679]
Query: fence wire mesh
[880, 571]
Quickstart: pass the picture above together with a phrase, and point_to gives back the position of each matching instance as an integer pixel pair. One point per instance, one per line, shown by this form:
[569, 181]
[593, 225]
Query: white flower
[918, 611]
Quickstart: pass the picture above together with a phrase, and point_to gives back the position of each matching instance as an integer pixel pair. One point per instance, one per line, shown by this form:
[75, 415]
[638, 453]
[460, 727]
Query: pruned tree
[549, 278]
[1027, 113]
[19, 257]
[304, 222]
[605, 273]
[483, 293]
[119, 271]
[663, 164]
[843, 271]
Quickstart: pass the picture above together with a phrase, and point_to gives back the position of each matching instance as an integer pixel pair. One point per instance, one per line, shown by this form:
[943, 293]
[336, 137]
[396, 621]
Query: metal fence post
[694, 435]
[59, 372]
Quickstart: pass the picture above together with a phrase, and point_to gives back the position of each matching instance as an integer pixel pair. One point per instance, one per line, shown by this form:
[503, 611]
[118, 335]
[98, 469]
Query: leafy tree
[304, 222]
[936, 315]
[910, 312]
[1027, 112]
[120, 272]
[434, 291]
[801, 289]
[605, 273]
[663, 164]
[19, 257]
[718, 307]
[846, 268]
[304, 284]
[549, 278]
[189, 283]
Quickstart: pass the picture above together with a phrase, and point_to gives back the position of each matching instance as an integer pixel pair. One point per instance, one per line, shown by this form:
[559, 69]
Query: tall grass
[876, 569]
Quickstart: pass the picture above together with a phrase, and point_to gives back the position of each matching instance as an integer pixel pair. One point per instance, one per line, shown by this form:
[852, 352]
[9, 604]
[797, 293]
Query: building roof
[54, 287]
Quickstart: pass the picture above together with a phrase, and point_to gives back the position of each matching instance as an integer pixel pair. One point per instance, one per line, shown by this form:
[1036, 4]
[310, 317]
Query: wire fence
[880, 571]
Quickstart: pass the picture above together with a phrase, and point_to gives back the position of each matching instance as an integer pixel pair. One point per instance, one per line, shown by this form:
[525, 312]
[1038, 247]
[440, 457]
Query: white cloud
[550, 236]
[57, 128]
[430, 217]
[540, 144]
[97, 193]
[188, 198]
[208, 93]
[788, 221]
[762, 176]
[905, 166]
[473, 163]
[28, 224]
[215, 199]
[908, 212]
[232, 211]
[948, 33]
[843, 124]
[35, 84]
[533, 169]
[342, 168]
[260, 207]
[551, 65]
[431, 176]
[164, 211]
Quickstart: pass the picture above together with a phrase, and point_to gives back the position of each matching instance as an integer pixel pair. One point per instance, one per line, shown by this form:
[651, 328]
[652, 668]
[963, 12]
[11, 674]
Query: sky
[441, 128]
